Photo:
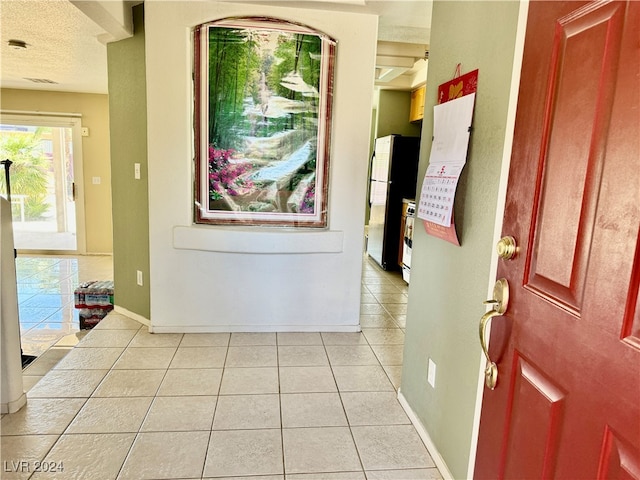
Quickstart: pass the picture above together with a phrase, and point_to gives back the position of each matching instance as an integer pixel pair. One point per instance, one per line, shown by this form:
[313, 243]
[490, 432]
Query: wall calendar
[452, 119]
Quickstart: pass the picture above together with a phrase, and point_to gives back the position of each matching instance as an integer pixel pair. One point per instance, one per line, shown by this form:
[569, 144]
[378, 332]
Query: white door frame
[500, 207]
[66, 120]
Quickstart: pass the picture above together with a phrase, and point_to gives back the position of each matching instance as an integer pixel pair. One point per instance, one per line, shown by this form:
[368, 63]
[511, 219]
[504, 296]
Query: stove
[407, 243]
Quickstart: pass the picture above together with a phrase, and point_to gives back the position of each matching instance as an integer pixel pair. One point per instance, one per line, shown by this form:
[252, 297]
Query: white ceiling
[68, 48]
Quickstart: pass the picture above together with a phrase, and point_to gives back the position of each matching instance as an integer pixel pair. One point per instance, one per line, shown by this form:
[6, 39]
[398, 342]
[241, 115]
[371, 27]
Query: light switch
[85, 131]
[136, 171]
[96, 180]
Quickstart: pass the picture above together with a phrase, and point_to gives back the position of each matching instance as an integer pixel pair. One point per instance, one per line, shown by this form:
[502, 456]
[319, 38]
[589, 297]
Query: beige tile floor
[127, 404]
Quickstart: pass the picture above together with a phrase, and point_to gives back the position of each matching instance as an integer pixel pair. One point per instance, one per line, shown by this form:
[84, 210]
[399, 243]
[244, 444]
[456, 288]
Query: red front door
[567, 400]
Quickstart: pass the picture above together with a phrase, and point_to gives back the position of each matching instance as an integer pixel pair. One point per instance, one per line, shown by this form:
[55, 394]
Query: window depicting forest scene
[264, 111]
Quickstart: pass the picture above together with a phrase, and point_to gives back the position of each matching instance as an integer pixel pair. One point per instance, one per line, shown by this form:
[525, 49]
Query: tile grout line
[284, 465]
[215, 408]
[370, 346]
[344, 410]
[91, 396]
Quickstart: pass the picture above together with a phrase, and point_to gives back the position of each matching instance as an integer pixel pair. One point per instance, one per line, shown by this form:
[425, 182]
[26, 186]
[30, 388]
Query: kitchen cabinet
[416, 111]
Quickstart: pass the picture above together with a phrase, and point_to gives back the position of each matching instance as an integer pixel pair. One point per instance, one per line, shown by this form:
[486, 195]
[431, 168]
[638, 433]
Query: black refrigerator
[394, 171]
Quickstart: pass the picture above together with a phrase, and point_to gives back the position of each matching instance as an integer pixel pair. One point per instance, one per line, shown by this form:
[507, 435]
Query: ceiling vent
[17, 44]
[40, 80]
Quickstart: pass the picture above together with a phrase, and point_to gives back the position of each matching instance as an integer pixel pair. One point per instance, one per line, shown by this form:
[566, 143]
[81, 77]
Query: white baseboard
[426, 439]
[233, 328]
[15, 405]
[252, 328]
[132, 315]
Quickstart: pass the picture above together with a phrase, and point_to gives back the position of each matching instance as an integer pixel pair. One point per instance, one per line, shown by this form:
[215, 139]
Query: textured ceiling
[63, 45]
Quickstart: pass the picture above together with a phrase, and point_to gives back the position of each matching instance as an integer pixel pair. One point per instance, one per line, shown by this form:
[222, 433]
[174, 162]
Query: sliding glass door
[45, 181]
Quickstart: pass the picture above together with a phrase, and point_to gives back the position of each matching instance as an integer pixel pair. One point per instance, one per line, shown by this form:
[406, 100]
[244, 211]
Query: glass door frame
[61, 120]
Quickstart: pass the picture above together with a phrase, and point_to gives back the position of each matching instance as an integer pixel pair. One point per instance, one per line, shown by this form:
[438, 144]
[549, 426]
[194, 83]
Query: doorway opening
[45, 182]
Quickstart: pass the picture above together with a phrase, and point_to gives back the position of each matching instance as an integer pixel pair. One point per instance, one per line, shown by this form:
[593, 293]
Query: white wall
[210, 278]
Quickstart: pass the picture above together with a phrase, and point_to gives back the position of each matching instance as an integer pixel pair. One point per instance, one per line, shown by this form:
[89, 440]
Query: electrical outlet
[136, 171]
[431, 373]
[139, 277]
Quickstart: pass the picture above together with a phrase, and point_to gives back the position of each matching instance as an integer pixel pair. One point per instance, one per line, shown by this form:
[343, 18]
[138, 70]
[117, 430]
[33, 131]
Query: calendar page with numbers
[438, 191]
[451, 130]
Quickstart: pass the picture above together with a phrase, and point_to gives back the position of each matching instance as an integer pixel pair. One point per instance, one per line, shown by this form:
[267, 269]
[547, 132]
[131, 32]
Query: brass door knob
[507, 248]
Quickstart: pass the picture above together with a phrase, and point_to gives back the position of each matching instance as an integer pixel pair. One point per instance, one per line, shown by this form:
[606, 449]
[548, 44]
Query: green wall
[449, 283]
[393, 114]
[128, 125]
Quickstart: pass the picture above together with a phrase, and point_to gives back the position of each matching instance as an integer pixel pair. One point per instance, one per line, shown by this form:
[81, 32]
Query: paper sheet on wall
[451, 130]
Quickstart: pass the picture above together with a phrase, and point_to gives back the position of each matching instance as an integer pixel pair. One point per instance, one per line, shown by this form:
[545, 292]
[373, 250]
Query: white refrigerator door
[379, 192]
[377, 218]
[380, 165]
